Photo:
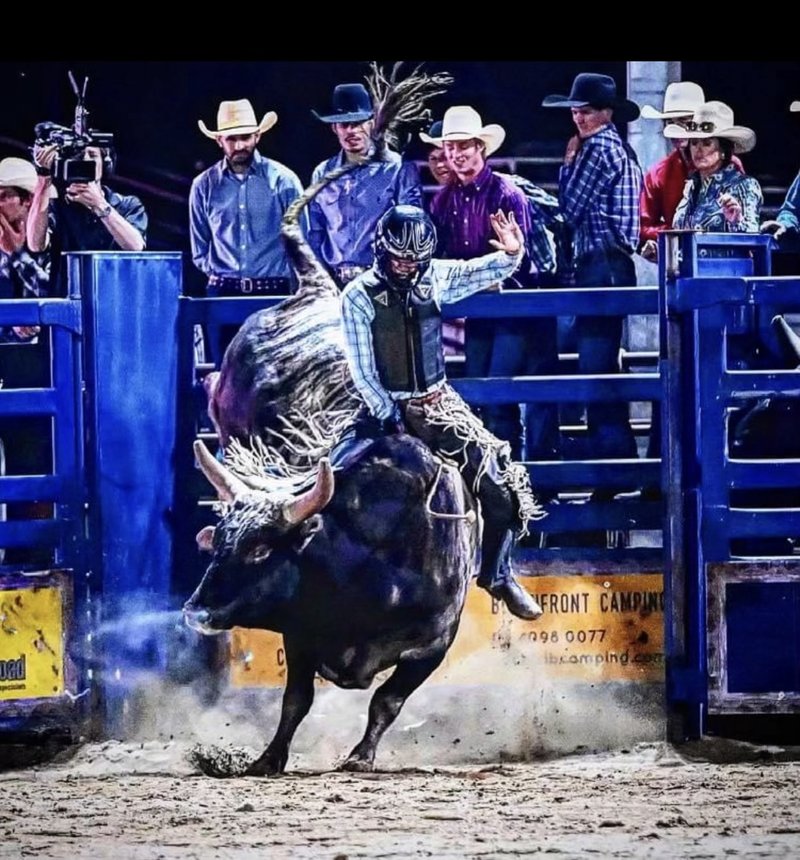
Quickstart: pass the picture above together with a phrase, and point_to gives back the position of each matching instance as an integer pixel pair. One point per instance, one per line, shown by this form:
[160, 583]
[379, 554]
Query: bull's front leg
[297, 699]
[389, 698]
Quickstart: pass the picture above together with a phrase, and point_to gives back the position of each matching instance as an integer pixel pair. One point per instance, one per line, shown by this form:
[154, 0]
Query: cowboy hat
[681, 98]
[597, 91]
[464, 123]
[238, 117]
[434, 132]
[794, 107]
[714, 119]
[350, 103]
[18, 173]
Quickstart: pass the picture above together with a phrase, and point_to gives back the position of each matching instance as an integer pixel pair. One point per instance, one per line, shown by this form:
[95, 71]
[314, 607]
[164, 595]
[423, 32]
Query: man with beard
[344, 214]
[235, 212]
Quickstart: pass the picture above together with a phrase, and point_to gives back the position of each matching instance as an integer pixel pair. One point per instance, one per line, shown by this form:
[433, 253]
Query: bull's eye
[258, 554]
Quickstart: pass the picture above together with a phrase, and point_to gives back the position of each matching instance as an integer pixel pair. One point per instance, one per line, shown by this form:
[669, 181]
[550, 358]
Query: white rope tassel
[307, 437]
[450, 412]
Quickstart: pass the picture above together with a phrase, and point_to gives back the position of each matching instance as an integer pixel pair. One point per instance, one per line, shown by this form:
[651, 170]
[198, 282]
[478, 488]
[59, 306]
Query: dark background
[153, 107]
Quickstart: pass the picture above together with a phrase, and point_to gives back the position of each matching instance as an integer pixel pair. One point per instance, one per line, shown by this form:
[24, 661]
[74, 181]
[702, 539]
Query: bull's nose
[196, 618]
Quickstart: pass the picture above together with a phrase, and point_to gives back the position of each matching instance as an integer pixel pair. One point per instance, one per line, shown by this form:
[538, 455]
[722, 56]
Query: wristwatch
[104, 212]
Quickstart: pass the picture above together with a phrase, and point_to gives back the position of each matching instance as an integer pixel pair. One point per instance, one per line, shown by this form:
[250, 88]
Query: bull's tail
[313, 276]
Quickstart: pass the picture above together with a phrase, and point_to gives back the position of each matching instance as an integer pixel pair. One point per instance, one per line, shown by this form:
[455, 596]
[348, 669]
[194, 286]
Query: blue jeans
[599, 339]
[512, 347]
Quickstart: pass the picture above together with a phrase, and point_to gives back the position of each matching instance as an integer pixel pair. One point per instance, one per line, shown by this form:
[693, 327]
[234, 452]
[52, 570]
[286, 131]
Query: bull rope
[450, 412]
[469, 516]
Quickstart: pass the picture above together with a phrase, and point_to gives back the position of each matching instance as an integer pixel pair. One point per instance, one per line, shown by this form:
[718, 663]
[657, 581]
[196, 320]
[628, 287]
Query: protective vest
[406, 337]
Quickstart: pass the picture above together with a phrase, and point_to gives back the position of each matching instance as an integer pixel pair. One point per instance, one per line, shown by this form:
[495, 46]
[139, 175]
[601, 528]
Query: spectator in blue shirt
[786, 221]
[344, 214]
[599, 189]
[235, 212]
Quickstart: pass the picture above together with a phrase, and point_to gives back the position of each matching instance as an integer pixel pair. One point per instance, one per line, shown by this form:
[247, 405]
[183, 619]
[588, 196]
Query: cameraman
[87, 216]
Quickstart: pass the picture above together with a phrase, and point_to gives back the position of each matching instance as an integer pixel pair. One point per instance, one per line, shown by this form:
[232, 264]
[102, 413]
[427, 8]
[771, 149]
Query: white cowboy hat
[681, 98]
[794, 107]
[238, 117]
[19, 173]
[714, 119]
[464, 123]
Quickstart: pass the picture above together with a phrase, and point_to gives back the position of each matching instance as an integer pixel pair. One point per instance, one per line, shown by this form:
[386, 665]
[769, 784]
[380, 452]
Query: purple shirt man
[461, 213]
[508, 347]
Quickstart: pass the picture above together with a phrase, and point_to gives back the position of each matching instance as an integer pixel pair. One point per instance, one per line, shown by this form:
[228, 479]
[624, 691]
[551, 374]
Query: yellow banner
[594, 628]
[31, 643]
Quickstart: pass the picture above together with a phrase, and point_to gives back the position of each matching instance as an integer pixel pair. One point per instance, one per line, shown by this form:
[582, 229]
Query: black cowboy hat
[597, 91]
[350, 103]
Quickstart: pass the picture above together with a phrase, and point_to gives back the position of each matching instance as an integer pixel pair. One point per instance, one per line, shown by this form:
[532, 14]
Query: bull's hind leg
[389, 698]
[297, 699]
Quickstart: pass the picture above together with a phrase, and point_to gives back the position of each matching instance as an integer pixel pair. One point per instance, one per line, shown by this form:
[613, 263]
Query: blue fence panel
[724, 356]
[55, 544]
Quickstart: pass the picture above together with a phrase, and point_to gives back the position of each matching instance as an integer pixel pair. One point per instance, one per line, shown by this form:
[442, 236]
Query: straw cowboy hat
[464, 123]
[597, 91]
[714, 119]
[238, 117]
[681, 98]
[350, 103]
[18, 173]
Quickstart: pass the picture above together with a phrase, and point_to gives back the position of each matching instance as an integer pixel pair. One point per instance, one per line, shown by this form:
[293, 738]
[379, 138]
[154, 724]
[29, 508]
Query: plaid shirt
[449, 281]
[599, 194]
[787, 214]
[546, 222]
[23, 275]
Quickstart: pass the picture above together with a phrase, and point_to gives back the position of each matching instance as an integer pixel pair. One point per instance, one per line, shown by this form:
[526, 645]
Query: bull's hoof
[219, 762]
[357, 765]
[265, 768]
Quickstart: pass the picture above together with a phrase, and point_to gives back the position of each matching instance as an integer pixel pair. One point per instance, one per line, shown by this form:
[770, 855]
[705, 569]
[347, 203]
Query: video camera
[71, 143]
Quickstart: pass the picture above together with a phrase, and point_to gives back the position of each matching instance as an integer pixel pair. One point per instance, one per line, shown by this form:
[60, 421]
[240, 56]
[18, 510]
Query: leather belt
[426, 399]
[247, 286]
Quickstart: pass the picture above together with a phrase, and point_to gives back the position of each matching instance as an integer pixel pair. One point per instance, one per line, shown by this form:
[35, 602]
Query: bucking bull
[360, 572]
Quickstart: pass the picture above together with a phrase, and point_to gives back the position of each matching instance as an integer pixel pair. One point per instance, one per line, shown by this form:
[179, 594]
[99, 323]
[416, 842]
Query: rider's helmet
[404, 233]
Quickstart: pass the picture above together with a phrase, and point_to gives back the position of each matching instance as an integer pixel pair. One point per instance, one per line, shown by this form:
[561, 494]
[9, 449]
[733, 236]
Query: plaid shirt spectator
[23, 275]
[599, 193]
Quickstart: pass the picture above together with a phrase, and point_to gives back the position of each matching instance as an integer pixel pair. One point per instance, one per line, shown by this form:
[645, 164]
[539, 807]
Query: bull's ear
[306, 532]
[205, 539]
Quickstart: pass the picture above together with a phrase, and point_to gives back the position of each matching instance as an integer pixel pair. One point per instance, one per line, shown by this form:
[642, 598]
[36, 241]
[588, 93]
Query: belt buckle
[246, 285]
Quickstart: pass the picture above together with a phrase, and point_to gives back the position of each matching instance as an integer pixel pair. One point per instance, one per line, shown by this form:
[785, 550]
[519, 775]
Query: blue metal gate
[733, 616]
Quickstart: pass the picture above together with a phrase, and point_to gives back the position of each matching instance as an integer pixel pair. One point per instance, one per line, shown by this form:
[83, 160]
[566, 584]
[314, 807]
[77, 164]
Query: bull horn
[314, 500]
[227, 485]
[787, 336]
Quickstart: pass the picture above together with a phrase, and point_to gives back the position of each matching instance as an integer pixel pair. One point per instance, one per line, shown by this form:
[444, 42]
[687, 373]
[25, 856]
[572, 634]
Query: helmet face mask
[404, 235]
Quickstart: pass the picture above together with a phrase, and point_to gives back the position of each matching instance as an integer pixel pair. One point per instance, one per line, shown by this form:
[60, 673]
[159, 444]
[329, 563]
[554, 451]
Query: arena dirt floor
[147, 800]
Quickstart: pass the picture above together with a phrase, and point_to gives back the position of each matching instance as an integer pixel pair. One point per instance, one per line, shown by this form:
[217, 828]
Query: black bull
[357, 580]
[358, 576]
